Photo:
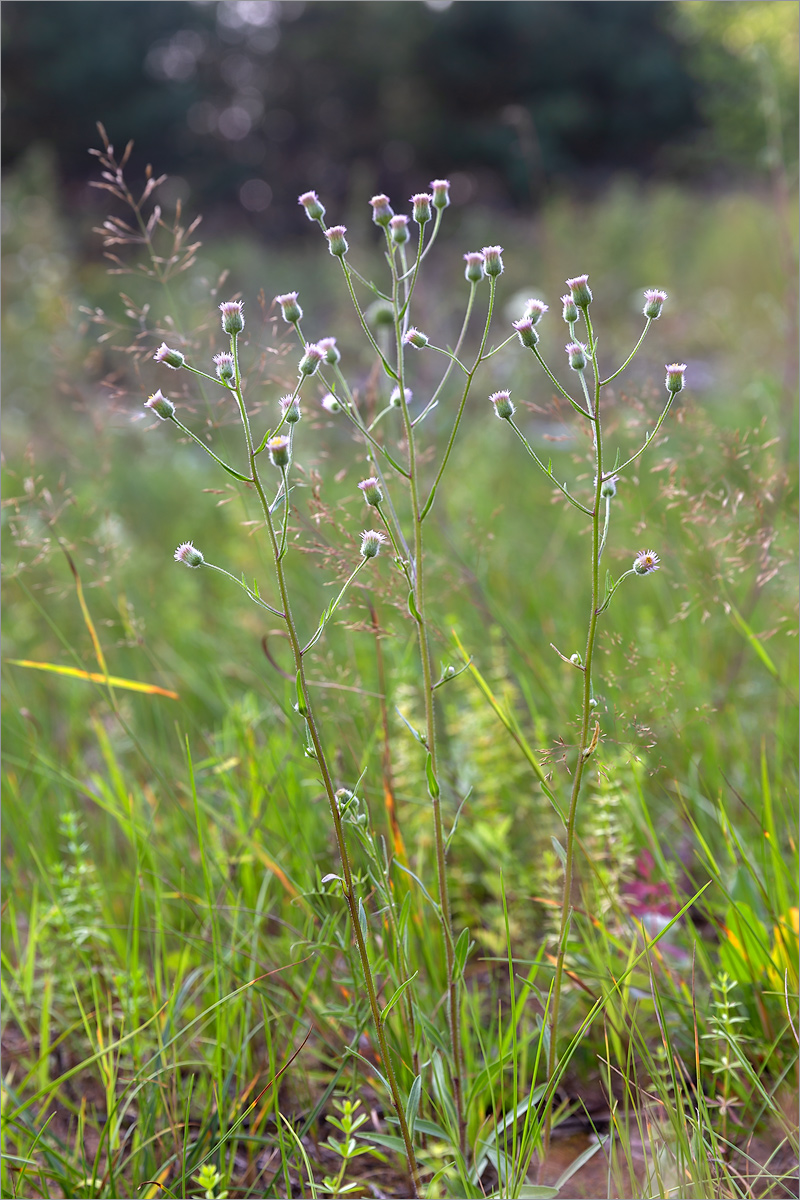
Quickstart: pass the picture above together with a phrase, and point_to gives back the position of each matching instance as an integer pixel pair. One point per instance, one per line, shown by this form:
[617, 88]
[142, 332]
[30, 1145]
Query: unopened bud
[441, 192]
[581, 292]
[415, 337]
[492, 260]
[337, 242]
[173, 358]
[576, 353]
[290, 309]
[525, 331]
[380, 313]
[535, 309]
[330, 350]
[372, 490]
[189, 554]
[330, 403]
[226, 368]
[278, 448]
[421, 211]
[290, 409]
[382, 211]
[232, 318]
[160, 405]
[503, 405]
[675, 377]
[398, 229]
[474, 269]
[653, 303]
[310, 201]
[371, 542]
[570, 311]
[608, 487]
[311, 359]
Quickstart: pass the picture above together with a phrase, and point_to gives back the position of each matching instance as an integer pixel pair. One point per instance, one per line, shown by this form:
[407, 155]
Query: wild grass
[184, 1007]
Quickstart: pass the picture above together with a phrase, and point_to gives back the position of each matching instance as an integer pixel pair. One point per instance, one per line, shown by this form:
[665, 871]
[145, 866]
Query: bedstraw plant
[399, 493]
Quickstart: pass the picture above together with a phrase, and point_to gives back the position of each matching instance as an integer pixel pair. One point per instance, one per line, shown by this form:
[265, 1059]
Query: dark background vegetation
[514, 99]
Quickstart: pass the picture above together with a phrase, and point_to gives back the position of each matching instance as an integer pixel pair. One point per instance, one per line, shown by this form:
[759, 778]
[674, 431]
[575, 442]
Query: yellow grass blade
[132, 685]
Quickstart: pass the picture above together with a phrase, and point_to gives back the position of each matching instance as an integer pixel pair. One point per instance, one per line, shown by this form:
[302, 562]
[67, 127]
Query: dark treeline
[260, 100]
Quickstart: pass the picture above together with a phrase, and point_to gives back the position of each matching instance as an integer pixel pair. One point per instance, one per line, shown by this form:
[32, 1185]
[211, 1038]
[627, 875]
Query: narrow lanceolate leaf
[412, 608]
[132, 685]
[560, 851]
[362, 918]
[397, 994]
[433, 783]
[462, 950]
[301, 700]
[412, 1108]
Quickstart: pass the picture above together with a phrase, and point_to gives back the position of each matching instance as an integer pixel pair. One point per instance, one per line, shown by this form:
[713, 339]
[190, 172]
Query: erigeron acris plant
[399, 466]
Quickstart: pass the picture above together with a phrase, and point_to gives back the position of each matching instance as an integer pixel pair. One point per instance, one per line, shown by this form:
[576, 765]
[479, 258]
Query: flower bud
[372, 490]
[653, 303]
[646, 562]
[441, 192]
[608, 487]
[398, 230]
[189, 554]
[415, 337]
[382, 211]
[232, 318]
[311, 359]
[226, 368]
[290, 409]
[570, 312]
[525, 331]
[310, 201]
[421, 211]
[290, 309]
[581, 293]
[576, 353]
[330, 403]
[380, 313]
[394, 399]
[675, 380]
[576, 659]
[278, 448]
[492, 262]
[503, 405]
[330, 350]
[535, 309]
[337, 242]
[474, 270]
[371, 542]
[160, 405]
[173, 358]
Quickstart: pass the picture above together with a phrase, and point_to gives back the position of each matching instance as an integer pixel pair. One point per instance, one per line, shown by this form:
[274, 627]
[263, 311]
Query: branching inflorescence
[408, 241]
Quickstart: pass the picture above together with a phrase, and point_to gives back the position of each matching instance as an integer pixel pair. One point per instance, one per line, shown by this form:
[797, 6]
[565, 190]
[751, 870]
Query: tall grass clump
[396, 915]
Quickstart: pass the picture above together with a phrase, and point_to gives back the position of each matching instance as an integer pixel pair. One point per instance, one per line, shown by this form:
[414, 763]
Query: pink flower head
[330, 350]
[371, 542]
[527, 334]
[160, 405]
[576, 353]
[382, 211]
[675, 377]
[310, 201]
[535, 309]
[398, 229]
[290, 408]
[646, 562]
[503, 405]
[581, 292]
[290, 309]
[441, 192]
[421, 211]
[279, 448]
[337, 242]
[173, 358]
[415, 337]
[372, 490]
[232, 317]
[474, 269]
[226, 368]
[311, 359]
[492, 260]
[653, 303]
[189, 554]
[570, 311]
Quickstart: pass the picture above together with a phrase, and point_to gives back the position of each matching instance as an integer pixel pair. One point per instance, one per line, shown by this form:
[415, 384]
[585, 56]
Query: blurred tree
[253, 101]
